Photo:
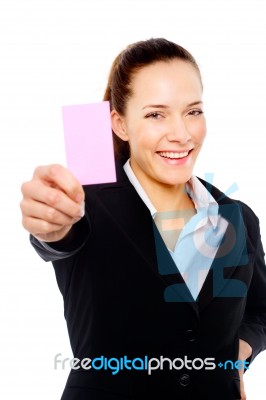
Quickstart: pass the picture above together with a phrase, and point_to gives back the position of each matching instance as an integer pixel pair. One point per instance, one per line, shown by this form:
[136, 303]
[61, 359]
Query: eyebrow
[164, 106]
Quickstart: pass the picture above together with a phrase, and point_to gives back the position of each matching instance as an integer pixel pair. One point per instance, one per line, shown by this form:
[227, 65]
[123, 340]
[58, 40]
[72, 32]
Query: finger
[35, 209]
[38, 226]
[62, 178]
[53, 198]
[35, 228]
[242, 389]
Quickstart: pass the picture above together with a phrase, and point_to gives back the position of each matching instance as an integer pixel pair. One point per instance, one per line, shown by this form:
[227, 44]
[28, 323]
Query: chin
[175, 179]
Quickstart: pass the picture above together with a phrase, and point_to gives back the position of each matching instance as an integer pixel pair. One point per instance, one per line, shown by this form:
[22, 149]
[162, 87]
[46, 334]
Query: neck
[165, 197]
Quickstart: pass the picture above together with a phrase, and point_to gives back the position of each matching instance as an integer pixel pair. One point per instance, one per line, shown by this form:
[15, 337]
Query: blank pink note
[89, 142]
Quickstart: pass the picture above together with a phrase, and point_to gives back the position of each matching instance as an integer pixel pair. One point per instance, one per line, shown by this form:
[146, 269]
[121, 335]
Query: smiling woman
[160, 268]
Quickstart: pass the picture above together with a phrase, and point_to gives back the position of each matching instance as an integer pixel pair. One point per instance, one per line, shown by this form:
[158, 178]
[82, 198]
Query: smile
[173, 155]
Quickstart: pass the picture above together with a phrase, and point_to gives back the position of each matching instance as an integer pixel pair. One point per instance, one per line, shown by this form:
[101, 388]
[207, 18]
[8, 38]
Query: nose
[178, 131]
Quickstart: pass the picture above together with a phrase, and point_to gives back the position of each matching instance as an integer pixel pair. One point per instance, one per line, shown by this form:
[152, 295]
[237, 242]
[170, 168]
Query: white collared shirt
[199, 239]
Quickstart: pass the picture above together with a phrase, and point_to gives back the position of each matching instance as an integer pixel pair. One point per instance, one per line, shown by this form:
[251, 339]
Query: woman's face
[164, 122]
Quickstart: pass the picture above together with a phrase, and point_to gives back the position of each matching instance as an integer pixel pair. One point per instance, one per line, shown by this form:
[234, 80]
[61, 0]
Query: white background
[55, 53]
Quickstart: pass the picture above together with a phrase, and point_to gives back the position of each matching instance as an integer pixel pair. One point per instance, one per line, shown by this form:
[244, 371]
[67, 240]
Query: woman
[163, 276]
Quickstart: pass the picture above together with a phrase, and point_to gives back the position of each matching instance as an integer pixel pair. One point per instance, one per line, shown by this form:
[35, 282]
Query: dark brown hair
[126, 64]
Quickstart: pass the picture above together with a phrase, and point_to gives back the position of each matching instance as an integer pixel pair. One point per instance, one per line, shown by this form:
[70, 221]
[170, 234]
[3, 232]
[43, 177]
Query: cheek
[199, 131]
[142, 137]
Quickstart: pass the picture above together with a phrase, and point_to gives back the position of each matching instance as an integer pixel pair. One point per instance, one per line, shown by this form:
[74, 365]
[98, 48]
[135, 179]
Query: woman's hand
[53, 200]
[245, 351]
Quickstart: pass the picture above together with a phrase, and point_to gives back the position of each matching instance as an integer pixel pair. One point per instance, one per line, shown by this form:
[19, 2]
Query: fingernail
[82, 209]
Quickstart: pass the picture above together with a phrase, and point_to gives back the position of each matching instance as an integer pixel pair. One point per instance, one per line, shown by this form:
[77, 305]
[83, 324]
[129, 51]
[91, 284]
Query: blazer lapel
[231, 253]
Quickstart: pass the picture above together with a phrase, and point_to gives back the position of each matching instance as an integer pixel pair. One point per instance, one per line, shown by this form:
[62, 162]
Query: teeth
[173, 155]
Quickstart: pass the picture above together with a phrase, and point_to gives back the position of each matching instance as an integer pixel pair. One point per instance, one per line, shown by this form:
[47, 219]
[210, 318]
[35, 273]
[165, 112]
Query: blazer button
[184, 380]
[190, 335]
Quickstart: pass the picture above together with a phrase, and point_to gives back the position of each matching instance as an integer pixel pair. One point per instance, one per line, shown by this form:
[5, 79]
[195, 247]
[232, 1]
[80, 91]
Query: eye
[154, 115]
[195, 113]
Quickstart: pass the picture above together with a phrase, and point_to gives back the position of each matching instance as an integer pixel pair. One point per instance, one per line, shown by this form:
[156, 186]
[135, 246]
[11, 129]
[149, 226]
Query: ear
[118, 125]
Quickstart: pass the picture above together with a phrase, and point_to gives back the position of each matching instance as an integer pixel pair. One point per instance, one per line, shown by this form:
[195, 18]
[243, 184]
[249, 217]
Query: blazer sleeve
[253, 326]
[68, 246]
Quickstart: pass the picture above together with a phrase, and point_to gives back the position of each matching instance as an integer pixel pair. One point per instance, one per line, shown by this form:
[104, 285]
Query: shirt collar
[141, 192]
[203, 200]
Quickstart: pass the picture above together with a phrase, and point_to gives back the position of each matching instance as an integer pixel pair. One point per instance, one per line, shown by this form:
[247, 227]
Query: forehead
[171, 78]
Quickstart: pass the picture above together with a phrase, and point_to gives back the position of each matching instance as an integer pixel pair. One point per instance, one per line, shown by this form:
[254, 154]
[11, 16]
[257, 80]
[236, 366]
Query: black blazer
[123, 296]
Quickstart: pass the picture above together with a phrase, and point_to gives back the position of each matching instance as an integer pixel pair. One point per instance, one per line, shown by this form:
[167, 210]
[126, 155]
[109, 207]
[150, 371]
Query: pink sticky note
[89, 142]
